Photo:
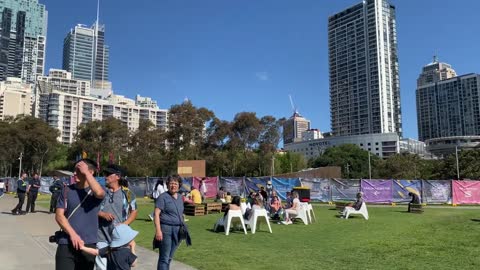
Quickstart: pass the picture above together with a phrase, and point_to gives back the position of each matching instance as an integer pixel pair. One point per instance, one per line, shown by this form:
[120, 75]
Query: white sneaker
[150, 216]
[289, 222]
[284, 222]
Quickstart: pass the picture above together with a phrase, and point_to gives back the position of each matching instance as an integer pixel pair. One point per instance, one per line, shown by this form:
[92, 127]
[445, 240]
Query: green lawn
[391, 239]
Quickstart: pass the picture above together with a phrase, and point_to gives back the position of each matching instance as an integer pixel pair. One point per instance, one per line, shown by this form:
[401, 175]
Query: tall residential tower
[23, 31]
[86, 55]
[364, 79]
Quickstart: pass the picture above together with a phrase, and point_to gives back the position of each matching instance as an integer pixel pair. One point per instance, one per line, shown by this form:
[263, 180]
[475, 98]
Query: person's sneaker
[186, 219]
[22, 212]
[285, 223]
[150, 216]
[289, 222]
[342, 217]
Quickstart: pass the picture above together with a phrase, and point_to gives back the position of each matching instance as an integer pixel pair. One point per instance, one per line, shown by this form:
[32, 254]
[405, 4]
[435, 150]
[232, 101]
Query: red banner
[466, 192]
[209, 186]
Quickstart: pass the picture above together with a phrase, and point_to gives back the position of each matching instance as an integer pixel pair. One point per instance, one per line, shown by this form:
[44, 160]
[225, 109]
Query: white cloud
[262, 75]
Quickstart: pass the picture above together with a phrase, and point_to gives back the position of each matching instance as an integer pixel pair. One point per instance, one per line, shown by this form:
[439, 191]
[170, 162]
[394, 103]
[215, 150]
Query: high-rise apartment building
[22, 39]
[65, 103]
[435, 72]
[294, 128]
[86, 55]
[16, 98]
[447, 105]
[364, 79]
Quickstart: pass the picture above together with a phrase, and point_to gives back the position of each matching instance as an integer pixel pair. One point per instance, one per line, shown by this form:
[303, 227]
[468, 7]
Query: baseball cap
[114, 169]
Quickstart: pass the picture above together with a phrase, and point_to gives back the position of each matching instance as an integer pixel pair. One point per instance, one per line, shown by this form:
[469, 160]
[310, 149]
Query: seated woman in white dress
[293, 210]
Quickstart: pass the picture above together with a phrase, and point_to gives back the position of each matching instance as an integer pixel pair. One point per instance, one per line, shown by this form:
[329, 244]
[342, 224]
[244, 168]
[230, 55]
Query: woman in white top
[292, 210]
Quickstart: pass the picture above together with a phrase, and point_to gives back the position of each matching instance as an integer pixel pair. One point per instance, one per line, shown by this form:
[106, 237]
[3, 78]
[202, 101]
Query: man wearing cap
[77, 214]
[21, 190]
[118, 207]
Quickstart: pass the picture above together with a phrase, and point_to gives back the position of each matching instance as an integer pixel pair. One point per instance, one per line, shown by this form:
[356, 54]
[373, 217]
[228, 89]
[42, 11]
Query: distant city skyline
[233, 57]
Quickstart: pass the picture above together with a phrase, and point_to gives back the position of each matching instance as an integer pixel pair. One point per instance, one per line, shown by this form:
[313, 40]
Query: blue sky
[234, 56]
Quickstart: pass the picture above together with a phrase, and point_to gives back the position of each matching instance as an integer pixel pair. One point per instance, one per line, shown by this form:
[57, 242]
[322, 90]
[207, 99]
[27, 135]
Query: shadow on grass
[475, 219]
[43, 211]
[6, 213]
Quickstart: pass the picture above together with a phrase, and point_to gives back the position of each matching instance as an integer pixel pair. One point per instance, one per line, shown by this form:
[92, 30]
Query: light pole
[20, 167]
[369, 167]
[456, 158]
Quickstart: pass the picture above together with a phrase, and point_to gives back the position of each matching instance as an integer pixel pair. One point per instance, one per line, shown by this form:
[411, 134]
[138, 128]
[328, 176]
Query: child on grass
[121, 252]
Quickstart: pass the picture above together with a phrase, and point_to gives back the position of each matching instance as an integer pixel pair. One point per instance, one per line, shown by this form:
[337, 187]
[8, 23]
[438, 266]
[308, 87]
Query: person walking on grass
[21, 190]
[77, 215]
[32, 192]
[118, 207]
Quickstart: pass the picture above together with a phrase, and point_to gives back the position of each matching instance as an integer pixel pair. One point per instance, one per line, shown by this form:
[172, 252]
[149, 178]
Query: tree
[289, 162]
[352, 159]
[404, 166]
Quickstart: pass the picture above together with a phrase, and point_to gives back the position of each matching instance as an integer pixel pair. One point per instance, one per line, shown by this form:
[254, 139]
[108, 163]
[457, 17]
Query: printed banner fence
[319, 189]
[234, 185]
[377, 191]
[209, 187]
[138, 186]
[283, 185]
[344, 190]
[437, 191]
[253, 184]
[401, 188]
[466, 192]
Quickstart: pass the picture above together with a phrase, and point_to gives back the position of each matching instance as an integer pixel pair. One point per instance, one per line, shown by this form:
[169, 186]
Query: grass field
[440, 238]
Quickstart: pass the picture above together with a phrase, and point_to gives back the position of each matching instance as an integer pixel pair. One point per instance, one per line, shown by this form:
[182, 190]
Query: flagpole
[456, 158]
[369, 167]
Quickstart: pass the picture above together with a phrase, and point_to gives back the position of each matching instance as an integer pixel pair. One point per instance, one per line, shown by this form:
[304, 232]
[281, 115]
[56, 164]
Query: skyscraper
[85, 54]
[447, 105]
[22, 39]
[364, 79]
[294, 128]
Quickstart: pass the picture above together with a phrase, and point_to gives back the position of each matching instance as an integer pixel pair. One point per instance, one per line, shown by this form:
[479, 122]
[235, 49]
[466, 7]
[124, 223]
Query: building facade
[294, 127]
[65, 103]
[23, 39]
[16, 98]
[382, 145]
[364, 73]
[86, 55]
[449, 107]
[312, 134]
[435, 72]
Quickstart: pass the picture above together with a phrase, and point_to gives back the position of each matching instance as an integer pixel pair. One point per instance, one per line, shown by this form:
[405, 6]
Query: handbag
[58, 234]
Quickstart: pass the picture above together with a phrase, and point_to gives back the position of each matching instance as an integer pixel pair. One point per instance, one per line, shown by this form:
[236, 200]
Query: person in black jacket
[32, 192]
[56, 189]
[415, 200]
[21, 190]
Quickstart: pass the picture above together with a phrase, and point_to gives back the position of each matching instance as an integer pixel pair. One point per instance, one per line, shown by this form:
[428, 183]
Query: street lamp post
[20, 167]
[456, 158]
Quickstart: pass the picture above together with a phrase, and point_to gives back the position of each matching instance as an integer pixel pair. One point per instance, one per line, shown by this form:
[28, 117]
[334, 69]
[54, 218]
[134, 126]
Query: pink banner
[209, 187]
[466, 192]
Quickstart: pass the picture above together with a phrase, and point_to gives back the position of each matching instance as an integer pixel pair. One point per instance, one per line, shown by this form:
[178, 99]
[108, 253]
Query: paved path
[24, 241]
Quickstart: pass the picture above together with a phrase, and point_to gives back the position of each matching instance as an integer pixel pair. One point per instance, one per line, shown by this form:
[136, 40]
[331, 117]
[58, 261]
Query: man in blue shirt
[118, 207]
[21, 190]
[32, 191]
[79, 226]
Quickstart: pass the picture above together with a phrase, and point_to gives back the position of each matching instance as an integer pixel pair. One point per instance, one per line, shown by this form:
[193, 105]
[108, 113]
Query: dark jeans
[67, 258]
[32, 197]
[53, 201]
[168, 246]
[21, 200]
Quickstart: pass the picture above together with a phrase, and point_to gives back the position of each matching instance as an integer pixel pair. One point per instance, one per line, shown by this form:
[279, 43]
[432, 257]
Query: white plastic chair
[363, 211]
[237, 214]
[307, 212]
[244, 207]
[301, 213]
[253, 221]
[311, 213]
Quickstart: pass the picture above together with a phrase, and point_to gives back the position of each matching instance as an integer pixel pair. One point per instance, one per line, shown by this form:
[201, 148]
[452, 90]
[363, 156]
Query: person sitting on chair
[353, 206]
[293, 210]
[235, 205]
[275, 207]
[257, 204]
[415, 200]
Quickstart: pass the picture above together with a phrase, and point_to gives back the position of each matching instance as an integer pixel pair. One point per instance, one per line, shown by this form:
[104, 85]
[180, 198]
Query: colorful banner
[253, 184]
[319, 189]
[45, 183]
[377, 191]
[437, 191]
[344, 190]
[283, 185]
[401, 188]
[234, 185]
[466, 192]
[209, 188]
